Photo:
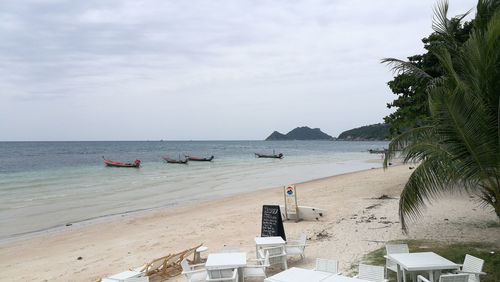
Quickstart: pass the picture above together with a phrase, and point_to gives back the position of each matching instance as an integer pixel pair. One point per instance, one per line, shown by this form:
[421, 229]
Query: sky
[200, 70]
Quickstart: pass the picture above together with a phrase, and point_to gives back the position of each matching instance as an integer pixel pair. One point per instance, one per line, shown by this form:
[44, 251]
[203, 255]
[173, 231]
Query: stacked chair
[371, 273]
[327, 265]
[222, 275]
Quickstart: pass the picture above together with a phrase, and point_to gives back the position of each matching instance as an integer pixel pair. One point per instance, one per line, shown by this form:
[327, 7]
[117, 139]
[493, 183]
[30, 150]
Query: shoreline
[355, 223]
[138, 212]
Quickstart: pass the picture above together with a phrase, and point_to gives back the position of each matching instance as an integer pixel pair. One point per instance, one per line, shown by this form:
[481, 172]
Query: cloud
[151, 53]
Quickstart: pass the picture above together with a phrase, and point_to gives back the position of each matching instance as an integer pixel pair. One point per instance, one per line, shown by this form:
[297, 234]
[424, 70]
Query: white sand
[112, 247]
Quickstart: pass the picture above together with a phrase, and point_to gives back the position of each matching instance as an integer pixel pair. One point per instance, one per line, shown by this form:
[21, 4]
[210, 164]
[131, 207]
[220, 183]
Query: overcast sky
[200, 70]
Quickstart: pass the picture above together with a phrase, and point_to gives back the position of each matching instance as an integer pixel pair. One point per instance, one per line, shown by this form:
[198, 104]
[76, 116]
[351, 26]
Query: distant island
[379, 131]
[374, 132]
[300, 133]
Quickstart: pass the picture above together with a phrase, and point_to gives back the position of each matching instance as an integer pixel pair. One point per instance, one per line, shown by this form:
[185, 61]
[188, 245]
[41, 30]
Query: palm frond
[440, 22]
[405, 139]
[428, 181]
[399, 66]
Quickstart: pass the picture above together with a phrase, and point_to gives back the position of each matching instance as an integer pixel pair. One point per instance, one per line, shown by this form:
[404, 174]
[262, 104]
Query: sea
[48, 186]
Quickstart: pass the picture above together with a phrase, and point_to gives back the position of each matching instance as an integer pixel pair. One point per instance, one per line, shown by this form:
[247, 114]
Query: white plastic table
[263, 242]
[341, 278]
[296, 274]
[426, 261]
[124, 275]
[226, 260]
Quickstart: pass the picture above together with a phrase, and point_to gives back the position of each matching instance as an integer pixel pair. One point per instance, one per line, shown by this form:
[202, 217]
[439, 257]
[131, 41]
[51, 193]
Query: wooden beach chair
[153, 268]
[172, 266]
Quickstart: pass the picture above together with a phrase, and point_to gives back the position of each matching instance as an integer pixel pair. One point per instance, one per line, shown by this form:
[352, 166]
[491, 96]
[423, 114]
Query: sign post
[291, 208]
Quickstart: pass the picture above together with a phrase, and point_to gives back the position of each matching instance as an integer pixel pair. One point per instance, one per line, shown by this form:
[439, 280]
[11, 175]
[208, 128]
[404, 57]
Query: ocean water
[46, 185]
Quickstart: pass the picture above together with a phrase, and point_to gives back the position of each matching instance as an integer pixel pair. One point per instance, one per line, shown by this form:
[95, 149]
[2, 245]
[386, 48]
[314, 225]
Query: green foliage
[369, 132]
[459, 148]
[412, 107]
[455, 252]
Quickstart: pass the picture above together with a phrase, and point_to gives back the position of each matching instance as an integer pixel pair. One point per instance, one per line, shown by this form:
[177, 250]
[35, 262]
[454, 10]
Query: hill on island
[372, 132]
[300, 133]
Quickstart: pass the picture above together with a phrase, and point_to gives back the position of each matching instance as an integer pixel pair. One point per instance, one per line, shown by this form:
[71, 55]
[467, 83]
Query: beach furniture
[229, 250]
[197, 254]
[172, 266]
[296, 274]
[296, 247]
[472, 266]
[127, 276]
[266, 242]
[371, 273]
[327, 265]
[277, 255]
[394, 249]
[222, 264]
[425, 262]
[192, 274]
[341, 278]
[137, 279]
[153, 268]
[222, 275]
[258, 270]
[167, 266]
[447, 278]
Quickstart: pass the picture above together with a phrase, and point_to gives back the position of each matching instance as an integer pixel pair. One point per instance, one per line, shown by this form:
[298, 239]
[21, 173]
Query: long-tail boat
[199, 159]
[377, 151]
[172, 161]
[137, 163]
[273, 156]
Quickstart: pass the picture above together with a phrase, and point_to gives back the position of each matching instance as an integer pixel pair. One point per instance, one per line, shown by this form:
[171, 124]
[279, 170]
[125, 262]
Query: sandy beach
[356, 223]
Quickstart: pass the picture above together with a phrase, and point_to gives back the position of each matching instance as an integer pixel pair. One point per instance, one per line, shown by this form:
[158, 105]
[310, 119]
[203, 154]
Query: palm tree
[459, 149]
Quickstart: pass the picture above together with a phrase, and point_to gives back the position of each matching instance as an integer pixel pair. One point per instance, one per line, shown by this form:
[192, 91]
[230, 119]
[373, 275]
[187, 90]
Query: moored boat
[377, 151]
[137, 163]
[273, 156]
[172, 161]
[199, 159]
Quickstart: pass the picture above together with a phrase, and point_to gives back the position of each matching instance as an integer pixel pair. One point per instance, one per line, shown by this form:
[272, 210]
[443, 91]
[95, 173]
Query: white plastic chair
[257, 270]
[222, 275]
[371, 273]
[229, 250]
[297, 247]
[394, 249]
[277, 255]
[447, 278]
[327, 265]
[473, 267]
[191, 273]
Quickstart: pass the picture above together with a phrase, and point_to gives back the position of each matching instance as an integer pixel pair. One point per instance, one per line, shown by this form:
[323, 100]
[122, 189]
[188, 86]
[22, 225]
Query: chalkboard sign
[272, 224]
